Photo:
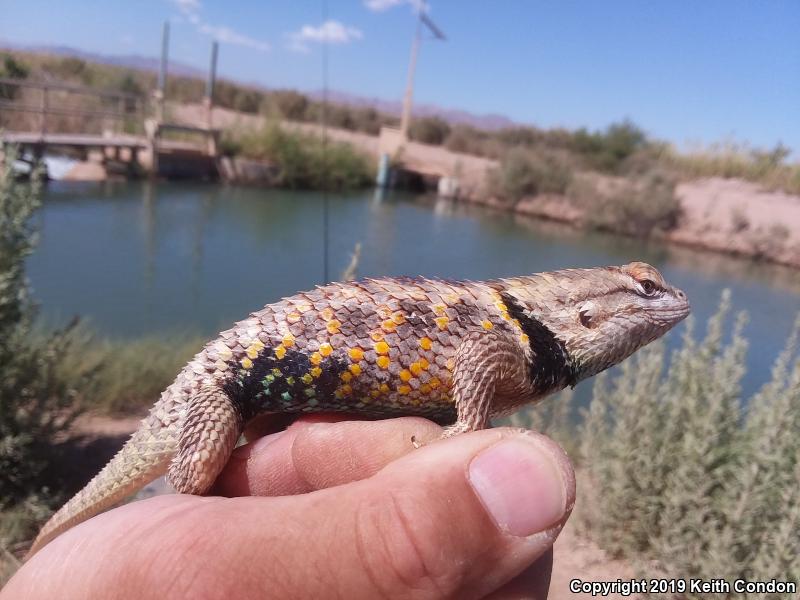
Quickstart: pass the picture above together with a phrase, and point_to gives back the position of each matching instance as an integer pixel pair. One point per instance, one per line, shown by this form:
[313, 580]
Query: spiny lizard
[457, 352]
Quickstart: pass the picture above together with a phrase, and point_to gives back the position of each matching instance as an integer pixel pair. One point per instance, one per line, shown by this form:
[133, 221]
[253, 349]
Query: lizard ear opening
[586, 315]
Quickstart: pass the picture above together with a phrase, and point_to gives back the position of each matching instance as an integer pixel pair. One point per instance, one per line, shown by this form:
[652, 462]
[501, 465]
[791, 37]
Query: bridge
[111, 126]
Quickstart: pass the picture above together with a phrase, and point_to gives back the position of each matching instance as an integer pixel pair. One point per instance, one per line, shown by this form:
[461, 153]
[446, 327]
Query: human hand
[361, 514]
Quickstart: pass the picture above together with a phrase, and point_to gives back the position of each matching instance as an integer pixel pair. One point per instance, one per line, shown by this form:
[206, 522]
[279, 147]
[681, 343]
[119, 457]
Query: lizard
[457, 352]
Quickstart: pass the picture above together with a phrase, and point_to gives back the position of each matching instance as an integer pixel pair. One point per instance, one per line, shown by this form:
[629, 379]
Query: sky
[694, 73]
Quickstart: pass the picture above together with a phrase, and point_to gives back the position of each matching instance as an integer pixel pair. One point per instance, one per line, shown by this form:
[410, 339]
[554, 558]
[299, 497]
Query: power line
[324, 115]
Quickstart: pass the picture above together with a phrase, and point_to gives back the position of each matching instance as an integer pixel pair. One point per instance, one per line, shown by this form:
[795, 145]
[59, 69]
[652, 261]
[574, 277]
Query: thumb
[460, 517]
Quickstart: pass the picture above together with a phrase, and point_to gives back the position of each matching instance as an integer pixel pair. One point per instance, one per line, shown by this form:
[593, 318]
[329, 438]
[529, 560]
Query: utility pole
[211, 84]
[161, 90]
[422, 20]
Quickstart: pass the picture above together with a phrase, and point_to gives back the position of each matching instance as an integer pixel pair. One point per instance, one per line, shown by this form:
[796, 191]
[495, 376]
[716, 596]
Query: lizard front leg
[476, 373]
[210, 430]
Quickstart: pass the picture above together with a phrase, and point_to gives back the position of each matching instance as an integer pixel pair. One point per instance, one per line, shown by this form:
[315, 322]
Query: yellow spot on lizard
[403, 389]
[405, 375]
[280, 352]
[355, 369]
[383, 362]
[487, 325]
[356, 354]
[288, 340]
[316, 372]
[425, 343]
[346, 376]
[333, 326]
[315, 358]
[325, 349]
[442, 322]
[381, 347]
[247, 363]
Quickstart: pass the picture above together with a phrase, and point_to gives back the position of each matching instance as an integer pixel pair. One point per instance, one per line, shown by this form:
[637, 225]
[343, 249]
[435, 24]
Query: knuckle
[401, 552]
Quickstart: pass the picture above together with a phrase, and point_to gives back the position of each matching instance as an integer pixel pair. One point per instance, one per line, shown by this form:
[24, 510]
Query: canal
[136, 259]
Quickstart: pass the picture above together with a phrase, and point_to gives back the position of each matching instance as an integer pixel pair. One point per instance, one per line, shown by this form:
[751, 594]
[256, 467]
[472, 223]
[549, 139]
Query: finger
[458, 518]
[270, 423]
[462, 518]
[315, 455]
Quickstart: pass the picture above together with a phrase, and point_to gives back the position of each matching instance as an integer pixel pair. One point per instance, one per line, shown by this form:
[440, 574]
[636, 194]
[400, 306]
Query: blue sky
[689, 72]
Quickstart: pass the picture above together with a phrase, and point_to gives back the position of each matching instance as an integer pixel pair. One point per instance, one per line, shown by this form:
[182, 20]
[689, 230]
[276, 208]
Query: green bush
[524, 173]
[11, 69]
[682, 475]
[304, 161]
[38, 401]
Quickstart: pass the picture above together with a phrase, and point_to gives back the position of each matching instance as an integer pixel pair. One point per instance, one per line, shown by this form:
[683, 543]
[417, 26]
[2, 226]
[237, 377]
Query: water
[137, 259]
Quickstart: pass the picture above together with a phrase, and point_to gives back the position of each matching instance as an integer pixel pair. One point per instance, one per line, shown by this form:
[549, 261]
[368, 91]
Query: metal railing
[119, 109]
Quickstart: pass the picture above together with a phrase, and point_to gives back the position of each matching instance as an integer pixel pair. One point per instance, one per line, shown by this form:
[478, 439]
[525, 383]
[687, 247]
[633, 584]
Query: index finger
[314, 455]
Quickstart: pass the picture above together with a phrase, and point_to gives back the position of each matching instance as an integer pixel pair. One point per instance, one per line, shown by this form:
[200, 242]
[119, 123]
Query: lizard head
[634, 308]
[598, 317]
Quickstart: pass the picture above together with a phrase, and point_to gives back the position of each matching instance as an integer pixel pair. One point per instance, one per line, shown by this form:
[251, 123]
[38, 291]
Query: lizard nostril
[680, 294]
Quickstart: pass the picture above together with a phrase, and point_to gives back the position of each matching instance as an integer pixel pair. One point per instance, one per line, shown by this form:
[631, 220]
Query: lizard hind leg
[210, 430]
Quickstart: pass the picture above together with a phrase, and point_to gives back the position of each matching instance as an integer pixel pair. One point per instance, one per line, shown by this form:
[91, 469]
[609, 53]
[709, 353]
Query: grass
[729, 160]
[685, 477]
[128, 375]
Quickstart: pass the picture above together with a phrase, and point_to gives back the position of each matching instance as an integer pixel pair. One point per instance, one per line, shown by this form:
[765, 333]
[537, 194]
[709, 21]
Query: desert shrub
[469, 140]
[304, 161]
[289, 104]
[38, 402]
[635, 206]
[429, 130]
[525, 173]
[682, 475]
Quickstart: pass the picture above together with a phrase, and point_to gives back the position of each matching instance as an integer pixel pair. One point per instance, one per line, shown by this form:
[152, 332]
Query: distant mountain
[395, 107]
[392, 107]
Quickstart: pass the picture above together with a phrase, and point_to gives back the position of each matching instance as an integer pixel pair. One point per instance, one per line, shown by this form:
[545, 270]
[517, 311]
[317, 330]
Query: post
[160, 93]
[210, 84]
[412, 66]
[43, 112]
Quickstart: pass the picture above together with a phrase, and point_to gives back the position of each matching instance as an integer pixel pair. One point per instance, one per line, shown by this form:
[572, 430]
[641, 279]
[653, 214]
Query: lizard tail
[143, 458]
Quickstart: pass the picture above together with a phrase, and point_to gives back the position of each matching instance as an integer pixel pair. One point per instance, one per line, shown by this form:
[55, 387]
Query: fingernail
[519, 483]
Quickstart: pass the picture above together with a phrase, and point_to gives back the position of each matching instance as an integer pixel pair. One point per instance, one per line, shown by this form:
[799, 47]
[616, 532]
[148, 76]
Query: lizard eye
[648, 287]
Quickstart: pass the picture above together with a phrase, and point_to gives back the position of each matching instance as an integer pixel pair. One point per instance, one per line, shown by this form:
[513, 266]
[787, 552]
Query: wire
[324, 115]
